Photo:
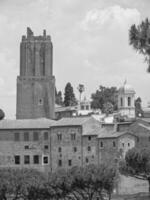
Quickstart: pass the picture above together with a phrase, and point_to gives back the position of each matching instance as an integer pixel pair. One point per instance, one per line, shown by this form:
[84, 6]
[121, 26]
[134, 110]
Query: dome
[126, 88]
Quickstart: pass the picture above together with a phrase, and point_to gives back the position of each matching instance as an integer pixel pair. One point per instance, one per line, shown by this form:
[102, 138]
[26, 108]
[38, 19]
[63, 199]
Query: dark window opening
[59, 149]
[75, 149]
[73, 136]
[89, 138]
[129, 101]
[45, 159]
[86, 160]
[121, 101]
[59, 136]
[45, 146]
[36, 159]
[69, 162]
[26, 159]
[101, 144]
[114, 144]
[26, 147]
[89, 148]
[17, 160]
[59, 163]
[128, 144]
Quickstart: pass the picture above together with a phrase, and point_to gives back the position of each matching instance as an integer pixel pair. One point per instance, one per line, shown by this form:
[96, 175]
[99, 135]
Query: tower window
[114, 144]
[40, 102]
[36, 159]
[101, 144]
[86, 160]
[89, 138]
[129, 101]
[69, 162]
[89, 148]
[121, 101]
[59, 163]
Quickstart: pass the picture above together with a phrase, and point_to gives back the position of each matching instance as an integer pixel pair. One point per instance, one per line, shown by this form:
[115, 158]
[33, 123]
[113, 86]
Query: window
[59, 136]
[45, 160]
[73, 136]
[59, 163]
[40, 102]
[45, 146]
[17, 136]
[128, 144]
[75, 149]
[26, 159]
[36, 159]
[89, 138]
[87, 107]
[69, 162]
[82, 107]
[45, 135]
[121, 101]
[89, 148]
[101, 144]
[26, 136]
[114, 144]
[123, 144]
[35, 136]
[59, 149]
[129, 101]
[86, 160]
[26, 147]
[17, 160]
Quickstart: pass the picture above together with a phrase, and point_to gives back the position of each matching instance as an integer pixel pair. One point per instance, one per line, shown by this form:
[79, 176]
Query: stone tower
[126, 99]
[36, 83]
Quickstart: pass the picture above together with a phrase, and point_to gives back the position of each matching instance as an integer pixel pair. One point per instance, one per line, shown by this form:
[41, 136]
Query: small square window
[17, 159]
[45, 146]
[36, 159]
[27, 159]
[59, 163]
[16, 136]
[45, 160]
[45, 135]
[69, 162]
[26, 147]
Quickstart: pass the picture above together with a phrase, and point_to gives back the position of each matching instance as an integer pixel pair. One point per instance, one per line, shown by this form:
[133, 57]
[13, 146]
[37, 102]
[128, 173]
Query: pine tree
[69, 96]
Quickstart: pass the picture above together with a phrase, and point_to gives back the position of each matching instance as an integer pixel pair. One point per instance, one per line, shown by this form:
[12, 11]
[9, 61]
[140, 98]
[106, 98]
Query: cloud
[110, 18]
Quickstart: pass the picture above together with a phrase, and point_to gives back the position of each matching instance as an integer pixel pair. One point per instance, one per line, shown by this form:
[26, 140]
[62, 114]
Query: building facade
[36, 83]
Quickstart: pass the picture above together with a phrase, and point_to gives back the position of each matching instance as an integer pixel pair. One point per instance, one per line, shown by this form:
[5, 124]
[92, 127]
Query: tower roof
[126, 88]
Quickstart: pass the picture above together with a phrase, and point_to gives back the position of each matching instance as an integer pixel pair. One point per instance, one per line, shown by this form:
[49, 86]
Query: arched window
[129, 101]
[121, 101]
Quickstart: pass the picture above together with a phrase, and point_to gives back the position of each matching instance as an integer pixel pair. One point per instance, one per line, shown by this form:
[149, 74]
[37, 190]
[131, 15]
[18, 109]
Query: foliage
[58, 97]
[69, 96]
[108, 108]
[104, 95]
[138, 107]
[2, 114]
[137, 164]
[139, 37]
[17, 183]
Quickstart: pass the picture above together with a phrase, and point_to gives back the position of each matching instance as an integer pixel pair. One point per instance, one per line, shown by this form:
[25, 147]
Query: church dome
[126, 88]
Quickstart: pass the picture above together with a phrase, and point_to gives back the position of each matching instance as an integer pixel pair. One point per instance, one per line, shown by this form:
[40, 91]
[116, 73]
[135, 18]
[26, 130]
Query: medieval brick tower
[36, 83]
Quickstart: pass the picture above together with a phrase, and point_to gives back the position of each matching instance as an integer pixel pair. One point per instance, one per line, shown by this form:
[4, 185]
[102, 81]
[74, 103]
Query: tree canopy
[69, 96]
[137, 164]
[58, 97]
[139, 37]
[104, 95]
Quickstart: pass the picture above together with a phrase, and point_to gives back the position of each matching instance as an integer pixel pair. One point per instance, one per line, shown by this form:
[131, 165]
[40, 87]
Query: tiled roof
[103, 133]
[26, 123]
[72, 121]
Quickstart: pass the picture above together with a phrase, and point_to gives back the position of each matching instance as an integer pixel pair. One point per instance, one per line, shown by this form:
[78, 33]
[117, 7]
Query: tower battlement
[30, 36]
[36, 83]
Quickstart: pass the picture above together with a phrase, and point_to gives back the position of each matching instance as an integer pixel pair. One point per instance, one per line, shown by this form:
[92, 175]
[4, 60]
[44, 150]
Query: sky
[90, 40]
